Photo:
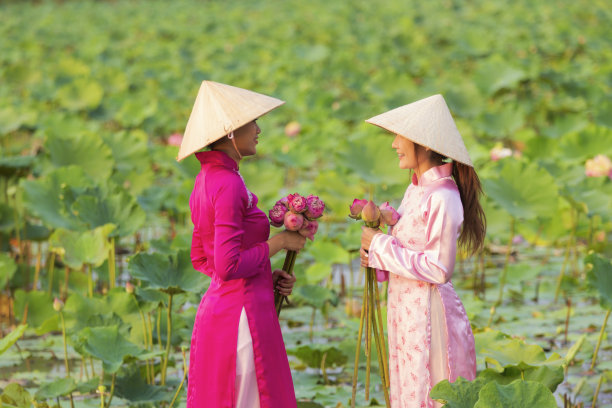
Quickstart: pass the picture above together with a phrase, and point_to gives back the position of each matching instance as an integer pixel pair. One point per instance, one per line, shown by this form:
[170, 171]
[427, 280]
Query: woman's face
[246, 138]
[405, 152]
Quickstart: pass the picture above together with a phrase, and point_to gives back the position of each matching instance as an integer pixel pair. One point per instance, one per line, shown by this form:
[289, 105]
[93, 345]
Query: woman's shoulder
[220, 179]
[442, 193]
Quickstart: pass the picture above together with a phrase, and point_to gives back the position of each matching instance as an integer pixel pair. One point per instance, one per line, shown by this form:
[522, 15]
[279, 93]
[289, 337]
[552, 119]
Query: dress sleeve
[229, 200]
[435, 264]
[198, 257]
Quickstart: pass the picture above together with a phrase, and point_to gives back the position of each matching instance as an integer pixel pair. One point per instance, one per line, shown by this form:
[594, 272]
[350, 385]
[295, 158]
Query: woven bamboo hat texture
[220, 109]
[427, 122]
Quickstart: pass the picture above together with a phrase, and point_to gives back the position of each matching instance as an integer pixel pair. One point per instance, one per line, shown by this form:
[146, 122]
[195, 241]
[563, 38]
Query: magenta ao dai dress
[229, 245]
[430, 338]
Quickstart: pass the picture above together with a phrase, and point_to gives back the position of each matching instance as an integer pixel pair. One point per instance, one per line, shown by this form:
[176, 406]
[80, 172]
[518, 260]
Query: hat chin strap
[231, 137]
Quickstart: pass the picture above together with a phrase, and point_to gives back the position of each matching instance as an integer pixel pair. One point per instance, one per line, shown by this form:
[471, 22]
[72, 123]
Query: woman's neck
[228, 149]
[423, 167]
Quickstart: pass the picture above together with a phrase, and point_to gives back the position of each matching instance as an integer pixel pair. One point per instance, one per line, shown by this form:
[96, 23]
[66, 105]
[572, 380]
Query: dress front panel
[420, 256]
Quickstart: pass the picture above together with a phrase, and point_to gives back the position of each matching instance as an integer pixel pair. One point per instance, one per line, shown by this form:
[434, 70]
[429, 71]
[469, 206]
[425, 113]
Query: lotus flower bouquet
[371, 317]
[296, 213]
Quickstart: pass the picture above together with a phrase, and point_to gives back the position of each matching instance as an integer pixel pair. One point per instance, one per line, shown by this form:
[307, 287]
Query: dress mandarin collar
[216, 157]
[433, 174]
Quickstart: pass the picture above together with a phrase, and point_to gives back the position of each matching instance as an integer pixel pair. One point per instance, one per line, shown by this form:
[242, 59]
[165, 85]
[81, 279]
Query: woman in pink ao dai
[430, 337]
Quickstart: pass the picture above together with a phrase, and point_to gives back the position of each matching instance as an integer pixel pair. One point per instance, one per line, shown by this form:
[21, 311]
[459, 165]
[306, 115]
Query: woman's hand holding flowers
[283, 282]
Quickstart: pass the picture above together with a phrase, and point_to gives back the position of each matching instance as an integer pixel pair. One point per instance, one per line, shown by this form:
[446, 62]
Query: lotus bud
[297, 203]
[371, 215]
[356, 208]
[293, 221]
[58, 305]
[129, 288]
[309, 229]
[277, 215]
[388, 214]
[314, 207]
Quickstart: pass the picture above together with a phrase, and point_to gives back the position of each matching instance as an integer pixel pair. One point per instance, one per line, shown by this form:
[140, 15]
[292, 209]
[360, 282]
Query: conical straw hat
[427, 122]
[220, 109]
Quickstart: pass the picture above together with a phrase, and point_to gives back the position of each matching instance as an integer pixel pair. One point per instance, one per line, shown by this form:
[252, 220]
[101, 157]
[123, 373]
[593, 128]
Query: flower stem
[600, 338]
[502, 278]
[379, 341]
[51, 268]
[112, 390]
[111, 263]
[369, 333]
[145, 336]
[287, 267]
[89, 281]
[566, 257]
[593, 405]
[361, 321]
[382, 333]
[168, 341]
[182, 381]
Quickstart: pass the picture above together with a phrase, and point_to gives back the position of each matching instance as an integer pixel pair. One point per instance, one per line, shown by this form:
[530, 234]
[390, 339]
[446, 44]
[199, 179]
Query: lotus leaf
[51, 196]
[523, 190]
[169, 273]
[312, 355]
[14, 395]
[39, 309]
[100, 206]
[518, 394]
[133, 388]
[81, 94]
[108, 345]
[316, 296]
[599, 275]
[84, 149]
[54, 389]
[459, 394]
[7, 269]
[82, 248]
[15, 166]
[7, 341]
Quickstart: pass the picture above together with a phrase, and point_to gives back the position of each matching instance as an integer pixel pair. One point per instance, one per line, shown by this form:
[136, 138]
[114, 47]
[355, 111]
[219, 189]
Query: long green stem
[379, 342]
[51, 269]
[381, 332]
[150, 331]
[111, 263]
[159, 340]
[600, 338]
[369, 333]
[594, 404]
[89, 281]
[112, 390]
[65, 344]
[287, 267]
[145, 336]
[566, 256]
[502, 279]
[182, 381]
[357, 349]
[168, 341]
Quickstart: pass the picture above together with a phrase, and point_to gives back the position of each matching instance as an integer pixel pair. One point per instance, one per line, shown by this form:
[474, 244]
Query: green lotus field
[97, 291]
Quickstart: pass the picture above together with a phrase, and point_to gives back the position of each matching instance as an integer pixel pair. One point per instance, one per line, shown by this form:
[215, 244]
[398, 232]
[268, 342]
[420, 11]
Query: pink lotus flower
[284, 201]
[598, 166]
[388, 214]
[314, 207]
[277, 215]
[292, 129]
[297, 203]
[499, 152]
[371, 215]
[293, 221]
[309, 229]
[174, 139]
[356, 208]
